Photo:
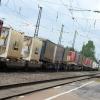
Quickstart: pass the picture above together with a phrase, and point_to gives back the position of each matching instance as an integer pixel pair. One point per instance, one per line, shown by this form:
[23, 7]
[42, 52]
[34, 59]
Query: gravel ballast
[22, 77]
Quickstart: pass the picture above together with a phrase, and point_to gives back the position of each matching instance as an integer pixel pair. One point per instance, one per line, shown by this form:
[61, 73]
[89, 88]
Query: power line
[22, 16]
[74, 19]
[85, 10]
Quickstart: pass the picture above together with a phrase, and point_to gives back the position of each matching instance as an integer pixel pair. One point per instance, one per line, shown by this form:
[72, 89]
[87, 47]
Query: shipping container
[59, 53]
[26, 48]
[48, 50]
[87, 62]
[11, 43]
[72, 57]
[95, 65]
[32, 50]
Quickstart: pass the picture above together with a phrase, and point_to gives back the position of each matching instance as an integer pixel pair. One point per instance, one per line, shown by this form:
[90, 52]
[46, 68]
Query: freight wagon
[72, 60]
[11, 47]
[47, 54]
[76, 61]
[87, 63]
[58, 57]
[31, 51]
[19, 51]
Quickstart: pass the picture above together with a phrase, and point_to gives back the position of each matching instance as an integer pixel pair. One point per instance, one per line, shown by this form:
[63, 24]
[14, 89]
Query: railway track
[13, 90]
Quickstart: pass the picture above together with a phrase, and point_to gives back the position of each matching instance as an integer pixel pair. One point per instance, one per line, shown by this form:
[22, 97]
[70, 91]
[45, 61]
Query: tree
[70, 48]
[88, 50]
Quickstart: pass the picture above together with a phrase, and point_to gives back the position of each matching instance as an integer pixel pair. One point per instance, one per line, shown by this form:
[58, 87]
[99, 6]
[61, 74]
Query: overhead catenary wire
[27, 21]
[87, 11]
[75, 20]
[82, 13]
[80, 10]
[24, 17]
[21, 15]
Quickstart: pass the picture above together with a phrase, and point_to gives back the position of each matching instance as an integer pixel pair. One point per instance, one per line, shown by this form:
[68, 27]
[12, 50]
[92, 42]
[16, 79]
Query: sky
[22, 16]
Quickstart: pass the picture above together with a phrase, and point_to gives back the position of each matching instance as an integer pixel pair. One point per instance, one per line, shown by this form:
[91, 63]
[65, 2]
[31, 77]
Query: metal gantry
[60, 37]
[74, 39]
[38, 22]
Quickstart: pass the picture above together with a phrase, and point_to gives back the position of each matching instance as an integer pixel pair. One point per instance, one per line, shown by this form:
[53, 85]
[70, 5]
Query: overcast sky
[22, 15]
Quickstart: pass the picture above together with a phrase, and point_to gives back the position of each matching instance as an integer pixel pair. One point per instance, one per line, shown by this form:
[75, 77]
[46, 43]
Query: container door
[71, 56]
[36, 49]
[4, 41]
[15, 43]
[26, 47]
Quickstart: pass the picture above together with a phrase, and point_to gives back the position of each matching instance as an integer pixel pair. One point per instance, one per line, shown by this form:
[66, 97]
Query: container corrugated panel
[48, 49]
[26, 47]
[94, 65]
[72, 57]
[32, 48]
[87, 62]
[4, 41]
[90, 62]
[59, 53]
[65, 55]
[14, 44]
[36, 49]
[80, 59]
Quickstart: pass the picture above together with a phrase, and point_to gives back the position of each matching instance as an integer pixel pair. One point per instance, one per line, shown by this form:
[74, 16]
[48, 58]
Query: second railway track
[13, 90]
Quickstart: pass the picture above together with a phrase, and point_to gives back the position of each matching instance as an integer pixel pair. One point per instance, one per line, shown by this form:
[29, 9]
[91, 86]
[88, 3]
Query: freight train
[20, 51]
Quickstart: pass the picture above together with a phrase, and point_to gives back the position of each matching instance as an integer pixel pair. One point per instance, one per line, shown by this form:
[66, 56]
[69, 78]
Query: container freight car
[47, 54]
[31, 51]
[58, 57]
[11, 47]
[87, 63]
[19, 51]
[59, 53]
[72, 60]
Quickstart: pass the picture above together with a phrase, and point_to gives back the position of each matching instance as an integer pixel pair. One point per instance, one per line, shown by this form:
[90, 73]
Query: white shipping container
[11, 43]
[94, 65]
[32, 49]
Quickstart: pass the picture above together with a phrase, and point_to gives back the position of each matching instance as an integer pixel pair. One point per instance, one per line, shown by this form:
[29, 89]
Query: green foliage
[70, 48]
[88, 50]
